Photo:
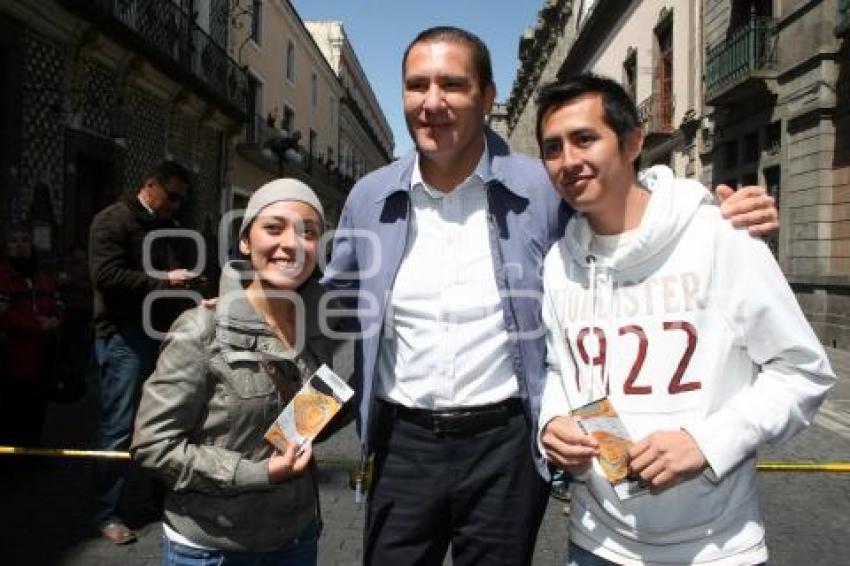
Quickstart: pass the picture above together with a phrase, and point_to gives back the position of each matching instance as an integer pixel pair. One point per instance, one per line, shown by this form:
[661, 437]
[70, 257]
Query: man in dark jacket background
[124, 346]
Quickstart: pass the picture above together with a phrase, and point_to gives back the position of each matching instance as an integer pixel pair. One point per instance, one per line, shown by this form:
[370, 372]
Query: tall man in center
[443, 251]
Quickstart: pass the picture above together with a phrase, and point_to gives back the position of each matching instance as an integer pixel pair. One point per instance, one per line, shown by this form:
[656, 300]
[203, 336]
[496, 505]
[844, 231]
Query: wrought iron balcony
[279, 152]
[656, 115]
[173, 41]
[842, 22]
[748, 54]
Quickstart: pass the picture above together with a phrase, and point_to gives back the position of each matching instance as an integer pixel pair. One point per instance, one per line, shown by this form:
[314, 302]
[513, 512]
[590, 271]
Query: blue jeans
[300, 551]
[125, 359]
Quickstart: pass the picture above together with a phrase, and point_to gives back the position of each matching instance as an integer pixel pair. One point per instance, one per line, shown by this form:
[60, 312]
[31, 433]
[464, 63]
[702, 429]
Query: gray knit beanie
[275, 191]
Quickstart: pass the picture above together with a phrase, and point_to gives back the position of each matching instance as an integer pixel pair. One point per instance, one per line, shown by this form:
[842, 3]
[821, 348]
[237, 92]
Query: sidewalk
[46, 504]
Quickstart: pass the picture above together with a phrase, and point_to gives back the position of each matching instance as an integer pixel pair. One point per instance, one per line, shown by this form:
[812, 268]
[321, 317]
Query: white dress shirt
[444, 342]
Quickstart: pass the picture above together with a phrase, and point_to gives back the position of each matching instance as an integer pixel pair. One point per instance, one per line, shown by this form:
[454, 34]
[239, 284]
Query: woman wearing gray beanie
[223, 376]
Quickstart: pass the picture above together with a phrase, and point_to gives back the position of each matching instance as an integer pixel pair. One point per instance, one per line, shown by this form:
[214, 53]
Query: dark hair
[620, 112]
[451, 34]
[166, 170]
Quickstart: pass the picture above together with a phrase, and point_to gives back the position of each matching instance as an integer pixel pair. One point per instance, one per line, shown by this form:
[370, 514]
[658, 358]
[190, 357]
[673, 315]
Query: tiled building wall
[42, 140]
[147, 135]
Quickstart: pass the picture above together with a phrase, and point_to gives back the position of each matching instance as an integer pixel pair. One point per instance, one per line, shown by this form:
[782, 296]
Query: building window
[290, 62]
[751, 147]
[314, 91]
[255, 107]
[743, 11]
[311, 148]
[288, 122]
[730, 154]
[773, 137]
[630, 73]
[663, 73]
[344, 161]
[257, 21]
[773, 181]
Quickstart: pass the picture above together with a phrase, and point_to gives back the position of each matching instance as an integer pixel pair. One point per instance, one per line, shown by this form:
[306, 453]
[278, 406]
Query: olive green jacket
[204, 412]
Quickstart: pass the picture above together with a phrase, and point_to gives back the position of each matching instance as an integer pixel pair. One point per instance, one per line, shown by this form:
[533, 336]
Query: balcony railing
[656, 114]
[750, 49]
[842, 23]
[312, 168]
[170, 35]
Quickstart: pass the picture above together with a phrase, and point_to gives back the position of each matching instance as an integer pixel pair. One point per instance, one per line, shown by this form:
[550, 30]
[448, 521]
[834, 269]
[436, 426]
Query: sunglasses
[173, 196]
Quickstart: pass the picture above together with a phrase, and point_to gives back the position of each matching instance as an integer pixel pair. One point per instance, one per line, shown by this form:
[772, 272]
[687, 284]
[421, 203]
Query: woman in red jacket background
[30, 316]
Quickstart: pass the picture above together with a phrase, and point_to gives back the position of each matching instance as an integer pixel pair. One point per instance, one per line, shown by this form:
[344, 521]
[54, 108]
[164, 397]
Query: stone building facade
[730, 91]
[498, 119]
[541, 50]
[778, 83]
[312, 112]
[365, 138]
[95, 93]
[651, 46]
[293, 105]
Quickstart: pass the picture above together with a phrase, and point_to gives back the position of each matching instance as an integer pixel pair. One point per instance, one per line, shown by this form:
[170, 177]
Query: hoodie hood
[671, 207]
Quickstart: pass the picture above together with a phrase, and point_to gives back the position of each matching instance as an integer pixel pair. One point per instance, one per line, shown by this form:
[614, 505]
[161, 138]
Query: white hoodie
[701, 332]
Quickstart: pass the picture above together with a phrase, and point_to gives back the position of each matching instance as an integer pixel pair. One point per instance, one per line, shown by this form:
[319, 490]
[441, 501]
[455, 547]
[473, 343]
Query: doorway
[90, 184]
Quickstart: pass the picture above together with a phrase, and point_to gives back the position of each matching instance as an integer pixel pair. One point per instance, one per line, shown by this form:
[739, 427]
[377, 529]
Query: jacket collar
[498, 154]
[144, 216]
[131, 199]
[235, 311]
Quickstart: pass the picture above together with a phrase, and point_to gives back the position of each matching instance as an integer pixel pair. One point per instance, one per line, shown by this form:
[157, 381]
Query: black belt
[461, 421]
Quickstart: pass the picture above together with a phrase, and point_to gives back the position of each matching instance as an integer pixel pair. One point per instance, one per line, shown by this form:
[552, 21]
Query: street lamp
[283, 146]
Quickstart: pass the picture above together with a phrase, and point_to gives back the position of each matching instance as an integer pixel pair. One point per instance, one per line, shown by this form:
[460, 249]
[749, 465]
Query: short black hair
[451, 34]
[620, 111]
[166, 170]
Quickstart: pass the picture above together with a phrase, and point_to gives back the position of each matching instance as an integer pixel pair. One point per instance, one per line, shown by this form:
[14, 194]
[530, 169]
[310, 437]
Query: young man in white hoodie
[689, 328]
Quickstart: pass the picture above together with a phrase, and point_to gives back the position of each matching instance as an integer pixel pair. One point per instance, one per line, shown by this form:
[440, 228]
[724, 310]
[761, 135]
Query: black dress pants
[479, 493]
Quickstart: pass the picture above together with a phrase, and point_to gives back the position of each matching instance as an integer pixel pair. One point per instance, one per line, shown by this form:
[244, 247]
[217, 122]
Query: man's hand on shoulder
[749, 207]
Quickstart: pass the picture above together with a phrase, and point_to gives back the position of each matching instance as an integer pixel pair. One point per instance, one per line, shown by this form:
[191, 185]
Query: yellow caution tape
[824, 467]
[828, 467]
[64, 453]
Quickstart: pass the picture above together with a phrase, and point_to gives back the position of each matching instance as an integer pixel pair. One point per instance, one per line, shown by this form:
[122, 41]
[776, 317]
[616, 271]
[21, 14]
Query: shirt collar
[503, 168]
[145, 205]
[481, 171]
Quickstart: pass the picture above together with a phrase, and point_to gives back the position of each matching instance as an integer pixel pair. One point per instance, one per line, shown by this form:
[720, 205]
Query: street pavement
[46, 504]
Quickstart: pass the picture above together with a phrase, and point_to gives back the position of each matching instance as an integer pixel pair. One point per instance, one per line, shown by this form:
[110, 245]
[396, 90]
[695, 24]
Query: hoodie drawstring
[591, 261]
[599, 334]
